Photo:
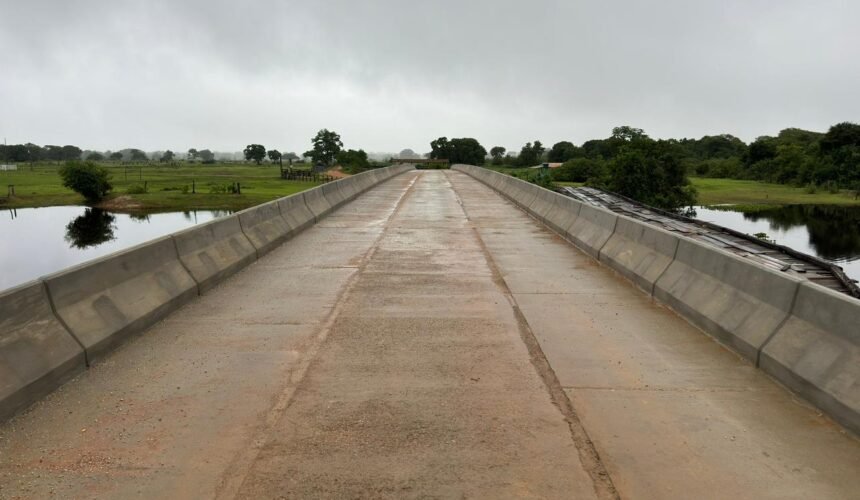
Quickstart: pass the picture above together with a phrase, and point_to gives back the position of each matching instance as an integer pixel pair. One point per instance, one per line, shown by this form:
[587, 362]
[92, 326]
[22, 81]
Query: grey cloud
[390, 74]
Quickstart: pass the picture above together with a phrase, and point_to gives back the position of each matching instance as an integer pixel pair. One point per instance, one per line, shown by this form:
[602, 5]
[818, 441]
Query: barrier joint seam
[179, 258]
[63, 323]
[778, 327]
[674, 256]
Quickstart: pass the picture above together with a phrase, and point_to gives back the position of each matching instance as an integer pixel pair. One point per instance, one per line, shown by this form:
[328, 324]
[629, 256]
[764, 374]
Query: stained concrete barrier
[104, 301]
[543, 202]
[317, 203]
[592, 229]
[264, 226]
[215, 250]
[563, 213]
[331, 192]
[735, 300]
[816, 352]
[296, 213]
[640, 252]
[804, 335]
[37, 354]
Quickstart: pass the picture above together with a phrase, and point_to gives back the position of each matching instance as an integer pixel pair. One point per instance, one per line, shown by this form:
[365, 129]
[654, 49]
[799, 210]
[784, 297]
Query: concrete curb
[53, 328]
[641, 253]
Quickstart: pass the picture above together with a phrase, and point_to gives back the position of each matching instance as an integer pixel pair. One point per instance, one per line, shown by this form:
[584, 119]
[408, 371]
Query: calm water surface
[826, 231]
[38, 241]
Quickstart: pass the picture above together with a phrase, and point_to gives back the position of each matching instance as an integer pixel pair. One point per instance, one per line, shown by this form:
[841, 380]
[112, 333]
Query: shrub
[136, 189]
[87, 179]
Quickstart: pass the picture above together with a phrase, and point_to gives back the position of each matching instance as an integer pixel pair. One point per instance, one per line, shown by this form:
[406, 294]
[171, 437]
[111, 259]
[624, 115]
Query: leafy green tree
[87, 179]
[627, 133]
[651, 172]
[168, 156]
[71, 153]
[589, 170]
[255, 152]
[206, 156]
[464, 150]
[326, 145]
[530, 154]
[498, 154]
[192, 154]
[117, 156]
[352, 161]
[562, 152]
[53, 153]
[275, 156]
[95, 156]
[138, 155]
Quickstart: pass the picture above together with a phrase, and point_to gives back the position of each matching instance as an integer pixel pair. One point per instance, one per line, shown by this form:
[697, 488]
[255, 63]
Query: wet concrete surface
[429, 339]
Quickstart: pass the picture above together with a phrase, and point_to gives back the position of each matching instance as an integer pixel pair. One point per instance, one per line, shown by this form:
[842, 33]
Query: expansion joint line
[588, 455]
[240, 468]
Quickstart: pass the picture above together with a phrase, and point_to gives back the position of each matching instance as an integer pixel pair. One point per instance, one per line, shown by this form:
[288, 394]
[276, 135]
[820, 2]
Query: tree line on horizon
[655, 171]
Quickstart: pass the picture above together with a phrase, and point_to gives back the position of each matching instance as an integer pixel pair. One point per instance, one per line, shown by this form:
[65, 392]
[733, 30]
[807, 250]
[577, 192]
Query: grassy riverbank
[737, 192]
[168, 188]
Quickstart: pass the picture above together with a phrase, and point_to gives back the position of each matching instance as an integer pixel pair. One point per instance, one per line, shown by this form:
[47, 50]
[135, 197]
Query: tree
[256, 152]
[116, 156]
[206, 156]
[530, 154]
[498, 154]
[192, 154]
[95, 156]
[562, 151]
[275, 156]
[53, 153]
[71, 153]
[167, 156]
[87, 179]
[138, 155]
[464, 150]
[352, 161]
[408, 154]
[840, 135]
[651, 172]
[588, 170]
[291, 156]
[327, 145]
[627, 133]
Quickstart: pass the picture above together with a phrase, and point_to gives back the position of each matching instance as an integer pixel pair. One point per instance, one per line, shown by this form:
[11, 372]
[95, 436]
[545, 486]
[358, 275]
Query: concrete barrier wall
[215, 250]
[296, 213]
[817, 352]
[733, 299]
[52, 328]
[37, 354]
[640, 252]
[264, 226]
[105, 300]
[804, 335]
[592, 229]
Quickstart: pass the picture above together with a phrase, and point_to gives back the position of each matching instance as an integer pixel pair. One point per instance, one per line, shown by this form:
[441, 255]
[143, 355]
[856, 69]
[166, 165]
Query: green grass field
[737, 192]
[41, 187]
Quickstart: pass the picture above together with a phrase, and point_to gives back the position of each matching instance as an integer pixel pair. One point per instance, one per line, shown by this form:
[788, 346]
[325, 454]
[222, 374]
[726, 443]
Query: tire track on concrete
[238, 470]
[588, 454]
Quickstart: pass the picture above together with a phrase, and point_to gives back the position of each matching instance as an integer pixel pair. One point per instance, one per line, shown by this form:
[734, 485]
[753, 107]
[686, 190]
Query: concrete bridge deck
[428, 339]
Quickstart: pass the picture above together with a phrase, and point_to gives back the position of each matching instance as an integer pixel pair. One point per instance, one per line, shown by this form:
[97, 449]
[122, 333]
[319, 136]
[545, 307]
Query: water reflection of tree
[91, 229]
[834, 231]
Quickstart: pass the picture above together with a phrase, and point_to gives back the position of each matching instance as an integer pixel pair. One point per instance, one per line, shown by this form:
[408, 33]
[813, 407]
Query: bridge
[432, 333]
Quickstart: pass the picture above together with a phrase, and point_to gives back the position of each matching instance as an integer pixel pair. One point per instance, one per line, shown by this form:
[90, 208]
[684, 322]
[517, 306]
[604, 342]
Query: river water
[827, 231]
[38, 241]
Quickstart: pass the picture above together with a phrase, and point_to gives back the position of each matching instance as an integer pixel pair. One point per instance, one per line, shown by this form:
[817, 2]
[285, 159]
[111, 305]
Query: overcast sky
[396, 74]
